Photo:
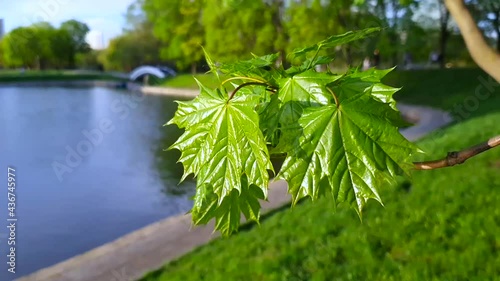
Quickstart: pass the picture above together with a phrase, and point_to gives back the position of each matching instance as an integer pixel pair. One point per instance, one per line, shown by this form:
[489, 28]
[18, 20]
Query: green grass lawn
[449, 89]
[441, 225]
[187, 81]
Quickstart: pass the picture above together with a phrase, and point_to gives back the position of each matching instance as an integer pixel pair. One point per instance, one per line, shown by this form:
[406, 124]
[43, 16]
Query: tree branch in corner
[458, 157]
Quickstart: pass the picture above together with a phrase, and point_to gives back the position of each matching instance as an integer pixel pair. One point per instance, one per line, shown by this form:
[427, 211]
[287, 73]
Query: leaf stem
[242, 78]
[458, 157]
[315, 56]
[337, 103]
[249, 84]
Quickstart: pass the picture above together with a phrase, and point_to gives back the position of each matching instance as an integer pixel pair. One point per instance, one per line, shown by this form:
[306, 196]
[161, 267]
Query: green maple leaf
[222, 143]
[260, 67]
[339, 133]
[205, 205]
[269, 119]
[354, 146]
[228, 214]
[296, 93]
[309, 64]
[371, 80]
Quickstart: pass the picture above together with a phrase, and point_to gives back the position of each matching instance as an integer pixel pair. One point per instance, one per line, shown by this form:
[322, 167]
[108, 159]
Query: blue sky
[105, 18]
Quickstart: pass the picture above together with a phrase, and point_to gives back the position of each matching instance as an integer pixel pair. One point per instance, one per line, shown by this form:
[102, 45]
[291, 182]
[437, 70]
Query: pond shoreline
[125, 85]
[68, 83]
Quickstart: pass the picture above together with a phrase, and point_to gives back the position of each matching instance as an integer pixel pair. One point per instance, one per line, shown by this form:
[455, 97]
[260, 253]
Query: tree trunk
[485, 56]
[498, 42]
[442, 45]
[278, 7]
[193, 68]
[444, 18]
[348, 55]
[381, 9]
[496, 25]
[395, 34]
[342, 17]
[393, 39]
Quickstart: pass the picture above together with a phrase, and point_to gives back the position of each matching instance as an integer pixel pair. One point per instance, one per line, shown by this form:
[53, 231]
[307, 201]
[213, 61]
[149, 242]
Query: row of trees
[42, 46]
[174, 30]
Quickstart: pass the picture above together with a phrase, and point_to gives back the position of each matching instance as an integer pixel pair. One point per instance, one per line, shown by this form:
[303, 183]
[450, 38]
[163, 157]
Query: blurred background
[91, 164]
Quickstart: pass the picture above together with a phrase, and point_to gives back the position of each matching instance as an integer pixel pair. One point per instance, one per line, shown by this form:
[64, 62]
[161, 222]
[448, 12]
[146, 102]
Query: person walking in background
[433, 58]
[408, 60]
[366, 63]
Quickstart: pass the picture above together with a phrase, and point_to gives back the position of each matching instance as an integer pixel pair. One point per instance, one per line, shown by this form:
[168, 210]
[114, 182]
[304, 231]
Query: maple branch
[458, 157]
[268, 87]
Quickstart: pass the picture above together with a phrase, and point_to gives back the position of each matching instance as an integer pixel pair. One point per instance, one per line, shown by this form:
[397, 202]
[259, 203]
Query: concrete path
[133, 255]
[427, 120]
[153, 90]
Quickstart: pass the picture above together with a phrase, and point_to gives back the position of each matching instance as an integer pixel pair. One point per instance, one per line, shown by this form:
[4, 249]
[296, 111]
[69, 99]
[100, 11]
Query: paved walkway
[152, 90]
[133, 255]
[428, 119]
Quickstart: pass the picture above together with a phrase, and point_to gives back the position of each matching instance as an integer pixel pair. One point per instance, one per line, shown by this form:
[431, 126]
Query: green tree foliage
[21, 47]
[42, 46]
[323, 18]
[89, 60]
[239, 25]
[44, 33]
[338, 133]
[62, 49]
[232, 29]
[2, 63]
[136, 46]
[177, 24]
[130, 50]
[313, 14]
[77, 31]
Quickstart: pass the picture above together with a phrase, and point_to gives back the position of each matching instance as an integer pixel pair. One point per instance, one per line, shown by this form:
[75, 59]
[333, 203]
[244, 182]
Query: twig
[458, 157]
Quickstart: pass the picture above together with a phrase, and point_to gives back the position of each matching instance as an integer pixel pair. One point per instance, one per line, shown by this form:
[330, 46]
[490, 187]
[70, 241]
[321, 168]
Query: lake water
[89, 167]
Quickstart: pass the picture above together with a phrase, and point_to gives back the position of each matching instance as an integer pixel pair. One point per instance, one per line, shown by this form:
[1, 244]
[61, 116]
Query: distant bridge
[158, 71]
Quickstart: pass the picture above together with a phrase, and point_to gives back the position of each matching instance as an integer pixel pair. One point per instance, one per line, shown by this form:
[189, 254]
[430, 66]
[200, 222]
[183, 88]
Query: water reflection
[120, 181]
[169, 170]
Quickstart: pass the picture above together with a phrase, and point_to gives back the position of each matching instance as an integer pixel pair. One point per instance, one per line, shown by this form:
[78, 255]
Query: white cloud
[105, 29]
[96, 40]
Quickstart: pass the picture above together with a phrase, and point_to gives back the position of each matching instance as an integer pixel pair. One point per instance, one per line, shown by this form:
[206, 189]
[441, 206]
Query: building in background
[1, 28]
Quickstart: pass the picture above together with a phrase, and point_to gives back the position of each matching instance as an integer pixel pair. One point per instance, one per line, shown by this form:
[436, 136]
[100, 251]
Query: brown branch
[458, 157]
